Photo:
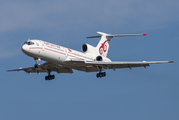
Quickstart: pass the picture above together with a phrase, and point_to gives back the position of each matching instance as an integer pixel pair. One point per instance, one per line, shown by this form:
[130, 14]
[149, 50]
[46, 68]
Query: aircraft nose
[25, 48]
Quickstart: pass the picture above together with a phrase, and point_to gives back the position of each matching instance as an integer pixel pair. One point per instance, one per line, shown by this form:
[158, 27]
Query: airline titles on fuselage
[69, 52]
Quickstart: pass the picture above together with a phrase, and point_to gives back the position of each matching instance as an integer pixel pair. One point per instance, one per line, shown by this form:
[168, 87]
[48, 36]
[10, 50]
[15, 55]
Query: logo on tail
[103, 48]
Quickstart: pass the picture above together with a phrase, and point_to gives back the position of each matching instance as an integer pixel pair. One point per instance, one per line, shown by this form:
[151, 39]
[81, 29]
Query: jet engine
[99, 58]
[86, 48]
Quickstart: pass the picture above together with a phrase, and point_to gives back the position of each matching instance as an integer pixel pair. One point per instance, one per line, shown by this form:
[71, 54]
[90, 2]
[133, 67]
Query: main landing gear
[101, 74]
[50, 77]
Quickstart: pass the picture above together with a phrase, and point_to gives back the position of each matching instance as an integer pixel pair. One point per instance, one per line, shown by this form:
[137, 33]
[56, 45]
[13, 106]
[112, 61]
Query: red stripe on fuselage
[35, 48]
[63, 53]
[54, 51]
[76, 57]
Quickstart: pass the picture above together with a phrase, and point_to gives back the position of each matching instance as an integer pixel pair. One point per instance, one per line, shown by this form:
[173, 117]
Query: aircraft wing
[92, 66]
[114, 65]
[45, 68]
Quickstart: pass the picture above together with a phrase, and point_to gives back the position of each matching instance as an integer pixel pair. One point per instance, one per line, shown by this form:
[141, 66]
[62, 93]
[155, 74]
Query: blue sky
[125, 94]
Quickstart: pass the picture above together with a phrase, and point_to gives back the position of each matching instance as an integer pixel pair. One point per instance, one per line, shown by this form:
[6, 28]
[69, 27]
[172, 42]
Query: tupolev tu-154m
[63, 60]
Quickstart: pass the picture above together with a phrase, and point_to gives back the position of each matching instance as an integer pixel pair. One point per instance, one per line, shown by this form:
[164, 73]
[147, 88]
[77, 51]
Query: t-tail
[103, 45]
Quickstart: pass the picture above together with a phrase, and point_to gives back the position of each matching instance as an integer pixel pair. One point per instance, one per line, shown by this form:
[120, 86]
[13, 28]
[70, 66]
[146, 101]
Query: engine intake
[99, 58]
[86, 48]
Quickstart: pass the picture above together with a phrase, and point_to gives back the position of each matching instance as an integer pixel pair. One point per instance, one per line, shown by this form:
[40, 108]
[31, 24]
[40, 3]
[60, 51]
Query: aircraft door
[37, 47]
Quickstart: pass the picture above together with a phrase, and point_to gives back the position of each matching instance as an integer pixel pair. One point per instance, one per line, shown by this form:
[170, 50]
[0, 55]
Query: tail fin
[103, 45]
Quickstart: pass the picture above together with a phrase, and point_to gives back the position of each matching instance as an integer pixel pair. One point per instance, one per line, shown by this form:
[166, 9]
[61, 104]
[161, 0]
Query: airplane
[63, 60]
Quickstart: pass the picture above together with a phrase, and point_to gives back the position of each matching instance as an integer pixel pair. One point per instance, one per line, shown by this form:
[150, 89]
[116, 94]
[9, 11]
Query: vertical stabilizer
[103, 45]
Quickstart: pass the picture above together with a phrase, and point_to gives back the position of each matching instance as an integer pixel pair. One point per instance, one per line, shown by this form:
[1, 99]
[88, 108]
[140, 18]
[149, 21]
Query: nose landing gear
[36, 65]
[49, 76]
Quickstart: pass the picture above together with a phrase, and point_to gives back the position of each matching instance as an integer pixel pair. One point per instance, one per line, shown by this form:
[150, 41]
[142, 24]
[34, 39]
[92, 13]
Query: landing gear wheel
[97, 75]
[101, 74]
[53, 76]
[50, 77]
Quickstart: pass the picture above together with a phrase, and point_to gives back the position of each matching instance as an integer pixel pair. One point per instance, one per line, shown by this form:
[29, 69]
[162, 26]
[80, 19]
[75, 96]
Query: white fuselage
[63, 60]
[52, 53]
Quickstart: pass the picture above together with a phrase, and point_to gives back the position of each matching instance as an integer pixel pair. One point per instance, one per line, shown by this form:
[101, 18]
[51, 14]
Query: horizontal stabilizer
[112, 36]
[94, 37]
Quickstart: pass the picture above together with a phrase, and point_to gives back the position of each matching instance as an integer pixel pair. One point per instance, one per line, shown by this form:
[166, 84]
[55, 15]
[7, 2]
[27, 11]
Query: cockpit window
[29, 43]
